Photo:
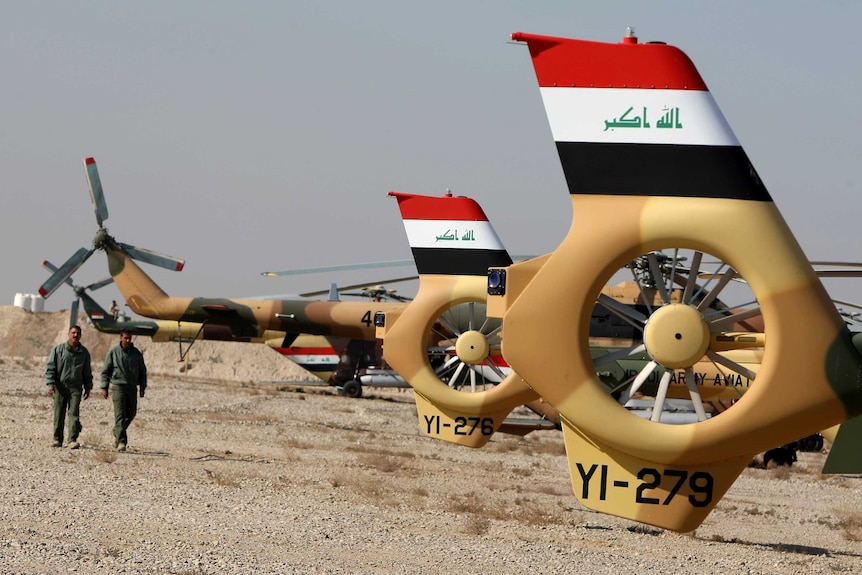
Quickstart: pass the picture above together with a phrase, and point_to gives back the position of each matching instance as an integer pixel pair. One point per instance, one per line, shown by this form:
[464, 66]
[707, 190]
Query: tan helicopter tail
[639, 136]
[143, 296]
[453, 244]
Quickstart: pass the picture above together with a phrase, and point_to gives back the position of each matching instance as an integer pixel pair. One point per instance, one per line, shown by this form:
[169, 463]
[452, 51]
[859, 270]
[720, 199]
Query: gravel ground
[228, 477]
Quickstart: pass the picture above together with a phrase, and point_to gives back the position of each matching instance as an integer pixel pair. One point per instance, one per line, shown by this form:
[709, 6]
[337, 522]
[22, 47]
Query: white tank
[22, 300]
[37, 302]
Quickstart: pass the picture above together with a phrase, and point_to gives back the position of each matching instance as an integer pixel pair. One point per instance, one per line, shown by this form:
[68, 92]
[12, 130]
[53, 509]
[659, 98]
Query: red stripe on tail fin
[582, 63]
[448, 207]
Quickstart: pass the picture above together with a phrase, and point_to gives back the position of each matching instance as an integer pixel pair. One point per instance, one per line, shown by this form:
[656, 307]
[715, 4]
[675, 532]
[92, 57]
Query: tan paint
[405, 346]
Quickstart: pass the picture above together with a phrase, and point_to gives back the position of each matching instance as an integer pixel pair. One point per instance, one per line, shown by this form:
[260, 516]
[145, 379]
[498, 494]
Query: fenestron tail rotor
[103, 240]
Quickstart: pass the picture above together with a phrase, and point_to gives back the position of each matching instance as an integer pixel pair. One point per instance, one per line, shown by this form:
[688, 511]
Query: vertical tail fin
[103, 321]
[453, 244]
[450, 235]
[97, 315]
[637, 119]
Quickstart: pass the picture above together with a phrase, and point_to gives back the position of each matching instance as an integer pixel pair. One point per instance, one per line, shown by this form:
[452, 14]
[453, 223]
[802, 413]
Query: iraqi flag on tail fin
[450, 235]
[637, 119]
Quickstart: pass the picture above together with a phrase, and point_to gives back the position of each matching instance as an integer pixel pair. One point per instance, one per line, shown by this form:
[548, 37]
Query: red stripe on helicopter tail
[179, 267]
[89, 161]
[568, 62]
[448, 207]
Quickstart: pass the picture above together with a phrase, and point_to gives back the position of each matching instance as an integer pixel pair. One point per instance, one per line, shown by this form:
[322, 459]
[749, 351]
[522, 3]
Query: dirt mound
[29, 336]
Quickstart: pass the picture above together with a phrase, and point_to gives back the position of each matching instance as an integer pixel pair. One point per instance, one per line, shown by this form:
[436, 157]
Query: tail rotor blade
[97, 197]
[64, 272]
[151, 257]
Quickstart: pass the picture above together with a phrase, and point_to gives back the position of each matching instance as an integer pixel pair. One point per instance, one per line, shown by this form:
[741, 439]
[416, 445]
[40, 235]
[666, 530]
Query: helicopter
[259, 318]
[548, 304]
[245, 317]
[157, 330]
[343, 363]
[646, 105]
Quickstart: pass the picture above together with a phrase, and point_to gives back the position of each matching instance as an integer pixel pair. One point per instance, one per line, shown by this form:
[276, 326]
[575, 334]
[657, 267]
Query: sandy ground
[233, 476]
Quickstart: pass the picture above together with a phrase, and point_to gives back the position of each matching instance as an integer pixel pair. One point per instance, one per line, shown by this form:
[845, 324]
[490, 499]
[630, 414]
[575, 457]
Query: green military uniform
[69, 373]
[125, 372]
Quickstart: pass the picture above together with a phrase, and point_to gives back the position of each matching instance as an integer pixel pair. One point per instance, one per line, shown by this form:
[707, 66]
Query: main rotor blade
[64, 272]
[838, 264]
[52, 268]
[154, 258]
[92, 287]
[354, 286]
[838, 273]
[99, 284]
[73, 313]
[361, 266]
[343, 267]
[850, 303]
[97, 197]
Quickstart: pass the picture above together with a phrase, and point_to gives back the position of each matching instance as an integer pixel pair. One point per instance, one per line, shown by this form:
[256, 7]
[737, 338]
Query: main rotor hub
[472, 347]
[676, 336]
[102, 239]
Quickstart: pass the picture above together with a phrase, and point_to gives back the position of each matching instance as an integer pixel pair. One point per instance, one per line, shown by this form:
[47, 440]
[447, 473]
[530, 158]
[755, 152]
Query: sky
[265, 135]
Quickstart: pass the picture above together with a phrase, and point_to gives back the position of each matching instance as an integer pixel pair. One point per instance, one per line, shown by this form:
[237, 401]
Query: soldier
[69, 378]
[126, 373]
[115, 309]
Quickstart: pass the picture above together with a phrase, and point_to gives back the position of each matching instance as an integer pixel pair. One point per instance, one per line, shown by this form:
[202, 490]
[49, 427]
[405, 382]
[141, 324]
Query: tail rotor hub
[676, 336]
[472, 347]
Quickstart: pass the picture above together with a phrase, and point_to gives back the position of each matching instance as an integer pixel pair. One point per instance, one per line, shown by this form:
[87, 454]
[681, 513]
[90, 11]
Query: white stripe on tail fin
[450, 235]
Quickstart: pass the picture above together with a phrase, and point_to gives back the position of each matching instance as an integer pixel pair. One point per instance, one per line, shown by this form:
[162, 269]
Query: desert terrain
[228, 472]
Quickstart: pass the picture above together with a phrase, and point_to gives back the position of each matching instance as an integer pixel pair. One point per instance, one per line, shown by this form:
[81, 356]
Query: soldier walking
[126, 374]
[69, 378]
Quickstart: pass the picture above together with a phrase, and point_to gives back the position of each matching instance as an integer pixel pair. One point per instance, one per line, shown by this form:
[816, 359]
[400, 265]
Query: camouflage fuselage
[246, 318]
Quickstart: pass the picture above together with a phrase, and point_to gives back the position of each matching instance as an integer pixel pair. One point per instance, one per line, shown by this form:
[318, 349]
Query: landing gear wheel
[696, 336]
[352, 388]
[781, 456]
[811, 444]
